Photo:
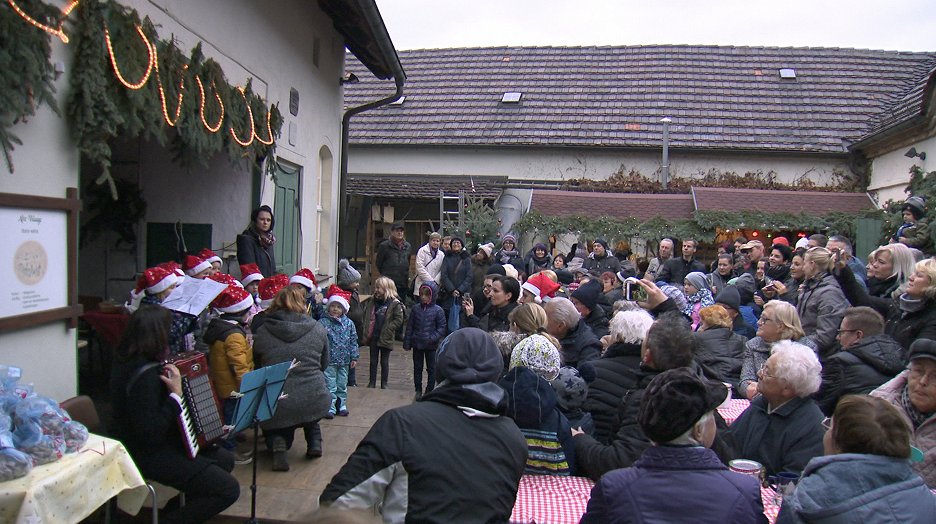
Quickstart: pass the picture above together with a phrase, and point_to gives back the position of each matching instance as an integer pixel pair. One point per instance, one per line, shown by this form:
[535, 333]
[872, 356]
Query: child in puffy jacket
[425, 328]
[343, 350]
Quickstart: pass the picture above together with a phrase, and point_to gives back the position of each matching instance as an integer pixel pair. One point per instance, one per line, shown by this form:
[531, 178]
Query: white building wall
[890, 172]
[568, 163]
[46, 163]
[272, 43]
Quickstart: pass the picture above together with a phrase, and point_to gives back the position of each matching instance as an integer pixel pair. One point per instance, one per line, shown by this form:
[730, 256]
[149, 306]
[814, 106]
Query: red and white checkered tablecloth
[544, 499]
[733, 409]
[770, 509]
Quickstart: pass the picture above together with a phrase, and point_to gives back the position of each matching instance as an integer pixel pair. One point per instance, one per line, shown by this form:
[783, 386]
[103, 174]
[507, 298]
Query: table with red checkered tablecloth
[731, 410]
[543, 499]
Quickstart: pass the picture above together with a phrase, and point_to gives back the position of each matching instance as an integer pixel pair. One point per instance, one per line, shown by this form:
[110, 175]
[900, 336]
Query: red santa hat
[541, 286]
[250, 273]
[232, 300]
[173, 267]
[224, 278]
[194, 265]
[305, 277]
[338, 295]
[155, 280]
[269, 287]
[209, 255]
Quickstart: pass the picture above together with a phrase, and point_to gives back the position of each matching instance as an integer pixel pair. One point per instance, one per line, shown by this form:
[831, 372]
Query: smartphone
[634, 292]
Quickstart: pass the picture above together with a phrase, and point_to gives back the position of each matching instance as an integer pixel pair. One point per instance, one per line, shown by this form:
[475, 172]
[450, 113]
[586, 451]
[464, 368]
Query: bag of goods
[13, 462]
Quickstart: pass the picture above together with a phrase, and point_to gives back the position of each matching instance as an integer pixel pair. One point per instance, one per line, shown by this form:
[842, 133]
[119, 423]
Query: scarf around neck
[911, 305]
[266, 239]
[917, 417]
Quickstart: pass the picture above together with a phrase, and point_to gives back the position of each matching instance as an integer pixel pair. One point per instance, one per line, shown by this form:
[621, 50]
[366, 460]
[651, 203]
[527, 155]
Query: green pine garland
[26, 71]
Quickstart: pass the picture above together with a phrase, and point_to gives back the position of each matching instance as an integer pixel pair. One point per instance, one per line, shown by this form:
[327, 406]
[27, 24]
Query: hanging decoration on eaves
[127, 82]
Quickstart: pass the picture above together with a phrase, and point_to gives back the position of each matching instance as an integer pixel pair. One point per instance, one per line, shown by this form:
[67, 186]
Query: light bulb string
[201, 90]
[162, 94]
[57, 31]
[252, 134]
[150, 49]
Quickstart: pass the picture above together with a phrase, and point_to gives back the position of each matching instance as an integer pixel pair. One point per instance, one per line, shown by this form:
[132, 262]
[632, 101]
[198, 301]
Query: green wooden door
[867, 237]
[286, 227]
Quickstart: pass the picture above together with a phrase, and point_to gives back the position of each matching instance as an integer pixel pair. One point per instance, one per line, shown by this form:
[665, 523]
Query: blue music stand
[260, 391]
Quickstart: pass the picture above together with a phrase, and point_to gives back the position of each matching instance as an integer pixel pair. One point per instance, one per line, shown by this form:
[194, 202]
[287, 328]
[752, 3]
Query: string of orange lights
[150, 49]
[201, 90]
[162, 94]
[56, 31]
[253, 134]
[269, 132]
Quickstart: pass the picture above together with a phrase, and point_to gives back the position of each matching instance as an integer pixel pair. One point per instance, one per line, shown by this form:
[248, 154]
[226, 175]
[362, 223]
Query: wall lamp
[912, 153]
[349, 78]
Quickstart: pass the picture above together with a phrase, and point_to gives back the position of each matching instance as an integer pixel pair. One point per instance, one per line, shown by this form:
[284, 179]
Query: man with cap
[601, 259]
[751, 253]
[393, 259]
[914, 232]
[913, 393]
[450, 457]
[585, 300]
[730, 299]
[678, 478]
[675, 269]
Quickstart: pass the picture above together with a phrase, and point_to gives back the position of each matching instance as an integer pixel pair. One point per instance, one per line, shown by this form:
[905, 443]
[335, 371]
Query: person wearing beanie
[508, 253]
[537, 259]
[480, 262]
[601, 259]
[452, 453]
[342, 349]
[914, 232]
[267, 290]
[156, 284]
[212, 258]
[196, 267]
[698, 296]
[349, 279]
[677, 415]
[538, 288]
[585, 298]
[537, 353]
[425, 329]
[730, 299]
[456, 279]
[571, 391]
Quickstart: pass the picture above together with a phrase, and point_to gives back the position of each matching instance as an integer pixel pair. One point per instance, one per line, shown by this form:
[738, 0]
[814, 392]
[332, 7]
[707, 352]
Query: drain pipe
[664, 178]
[399, 77]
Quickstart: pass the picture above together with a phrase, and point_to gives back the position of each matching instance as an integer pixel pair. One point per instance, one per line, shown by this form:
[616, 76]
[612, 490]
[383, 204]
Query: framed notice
[39, 267]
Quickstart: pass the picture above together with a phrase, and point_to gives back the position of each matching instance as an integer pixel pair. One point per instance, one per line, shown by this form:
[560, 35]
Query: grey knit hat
[347, 275]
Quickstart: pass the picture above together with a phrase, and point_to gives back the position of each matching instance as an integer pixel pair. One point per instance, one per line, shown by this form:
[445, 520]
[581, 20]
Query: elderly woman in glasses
[913, 393]
[865, 475]
[782, 428]
[779, 321]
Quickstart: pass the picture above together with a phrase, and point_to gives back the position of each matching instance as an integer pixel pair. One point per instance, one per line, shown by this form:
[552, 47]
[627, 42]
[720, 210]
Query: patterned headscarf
[539, 354]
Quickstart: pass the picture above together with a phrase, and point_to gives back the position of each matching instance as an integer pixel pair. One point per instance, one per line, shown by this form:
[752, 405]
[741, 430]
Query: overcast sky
[897, 25]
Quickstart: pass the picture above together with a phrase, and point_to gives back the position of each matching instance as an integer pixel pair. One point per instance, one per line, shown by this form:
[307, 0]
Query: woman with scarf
[536, 260]
[508, 253]
[889, 268]
[821, 303]
[698, 296]
[255, 244]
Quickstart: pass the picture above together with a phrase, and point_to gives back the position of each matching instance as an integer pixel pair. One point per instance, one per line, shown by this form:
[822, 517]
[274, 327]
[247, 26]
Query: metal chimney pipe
[664, 177]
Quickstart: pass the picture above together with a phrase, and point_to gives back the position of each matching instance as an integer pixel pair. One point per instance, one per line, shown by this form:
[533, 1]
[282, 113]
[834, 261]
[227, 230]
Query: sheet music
[192, 296]
[260, 389]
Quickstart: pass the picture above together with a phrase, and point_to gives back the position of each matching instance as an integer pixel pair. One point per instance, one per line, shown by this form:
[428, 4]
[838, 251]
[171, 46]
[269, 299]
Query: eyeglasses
[847, 331]
[763, 371]
[764, 320]
[827, 423]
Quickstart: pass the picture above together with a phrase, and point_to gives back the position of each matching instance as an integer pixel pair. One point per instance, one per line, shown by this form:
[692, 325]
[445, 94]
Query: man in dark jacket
[675, 269]
[450, 457]
[565, 323]
[585, 299]
[868, 358]
[393, 259]
[730, 299]
[668, 345]
[601, 259]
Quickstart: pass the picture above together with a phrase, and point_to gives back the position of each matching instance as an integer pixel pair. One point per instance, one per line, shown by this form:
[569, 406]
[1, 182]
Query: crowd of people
[592, 364]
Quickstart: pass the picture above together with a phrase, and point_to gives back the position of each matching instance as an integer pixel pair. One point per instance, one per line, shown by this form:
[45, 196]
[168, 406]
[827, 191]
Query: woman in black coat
[456, 275]
[719, 350]
[255, 244]
[146, 397]
[908, 317]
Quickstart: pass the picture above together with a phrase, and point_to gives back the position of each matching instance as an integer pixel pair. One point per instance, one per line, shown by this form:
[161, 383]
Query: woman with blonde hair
[779, 321]
[908, 316]
[383, 315]
[821, 303]
[889, 268]
[525, 320]
[719, 350]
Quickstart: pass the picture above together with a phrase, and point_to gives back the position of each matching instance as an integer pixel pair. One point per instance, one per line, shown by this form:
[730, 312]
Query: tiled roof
[716, 198]
[718, 97]
[424, 187]
[669, 206]
[618, 205]
[908, 103]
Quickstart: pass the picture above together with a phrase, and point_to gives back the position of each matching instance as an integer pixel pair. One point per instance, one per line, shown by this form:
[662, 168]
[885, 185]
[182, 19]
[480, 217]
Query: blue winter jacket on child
[342, 340]
[427, 325]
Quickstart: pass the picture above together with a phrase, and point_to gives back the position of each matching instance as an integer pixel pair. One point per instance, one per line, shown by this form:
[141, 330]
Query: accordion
[200, 421]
